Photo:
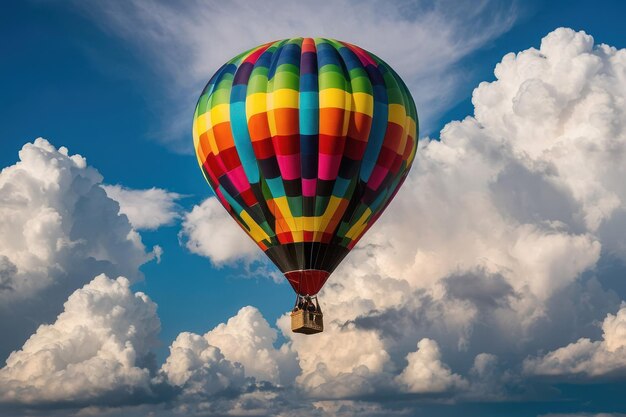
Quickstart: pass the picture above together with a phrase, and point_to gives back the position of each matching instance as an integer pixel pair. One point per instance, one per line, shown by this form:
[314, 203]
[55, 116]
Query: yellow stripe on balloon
[363, 103]
[220, 114]
[397, 114]
[255, 104]
[284, 98]
[335, 97]
[360, 224]
[255, 231]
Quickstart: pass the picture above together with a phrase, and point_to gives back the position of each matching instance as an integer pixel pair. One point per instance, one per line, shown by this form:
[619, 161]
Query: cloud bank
[92, 352]
[58, 230]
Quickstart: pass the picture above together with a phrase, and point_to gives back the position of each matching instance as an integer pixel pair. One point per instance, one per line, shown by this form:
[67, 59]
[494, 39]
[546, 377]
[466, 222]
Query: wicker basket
[307, 322]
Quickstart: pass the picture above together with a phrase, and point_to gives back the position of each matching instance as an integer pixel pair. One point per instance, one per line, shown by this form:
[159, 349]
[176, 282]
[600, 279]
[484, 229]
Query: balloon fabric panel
[305, 141]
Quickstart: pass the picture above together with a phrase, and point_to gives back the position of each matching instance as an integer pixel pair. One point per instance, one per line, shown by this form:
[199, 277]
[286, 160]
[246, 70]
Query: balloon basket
[307, 317]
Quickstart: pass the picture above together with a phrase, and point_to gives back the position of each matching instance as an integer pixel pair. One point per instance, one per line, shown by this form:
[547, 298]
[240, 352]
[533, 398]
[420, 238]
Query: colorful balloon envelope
[305, 142]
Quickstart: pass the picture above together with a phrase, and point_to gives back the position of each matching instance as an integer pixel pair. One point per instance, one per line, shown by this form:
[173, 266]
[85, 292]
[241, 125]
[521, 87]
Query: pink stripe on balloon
[361, 54]
[308, 187]
[238, 177]
[328, 166]
[289, 166]
[377, 177]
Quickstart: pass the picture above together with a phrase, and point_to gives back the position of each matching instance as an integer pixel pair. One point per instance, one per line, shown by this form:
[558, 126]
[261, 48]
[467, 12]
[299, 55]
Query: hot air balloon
[305, 141]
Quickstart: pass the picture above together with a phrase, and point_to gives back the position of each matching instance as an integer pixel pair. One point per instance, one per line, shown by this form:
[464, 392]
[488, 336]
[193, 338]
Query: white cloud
[557, 107]
[342, 361]
[209, 231]
[247, 342]
[247, 338]
[57, 229]
[586, 357]
[224, 357]
[146, 209]
[92, 351]
[426, 373]
[47, 203]
[191, 41]
[199, 368]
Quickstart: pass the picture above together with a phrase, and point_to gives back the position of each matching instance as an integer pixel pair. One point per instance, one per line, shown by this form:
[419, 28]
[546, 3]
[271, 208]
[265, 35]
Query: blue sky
[95, 78]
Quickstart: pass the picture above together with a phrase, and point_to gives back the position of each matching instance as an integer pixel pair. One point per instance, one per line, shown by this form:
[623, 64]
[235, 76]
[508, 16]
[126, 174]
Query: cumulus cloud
[57, 228]
[234, 369]
[342, 362]
[97, 349]
[243, 346]
[200, 368]
[209, 231]
[585, 357]
[247, 338]
[426, 373]
[193, 40]
[146, 209]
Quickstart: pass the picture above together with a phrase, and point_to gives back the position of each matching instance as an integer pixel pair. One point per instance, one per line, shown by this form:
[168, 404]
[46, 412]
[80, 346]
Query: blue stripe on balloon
[341, 186]
[276, 186]
[236, 206]
[375, 141]
[309, 113]
[350, 59]
[243, 143]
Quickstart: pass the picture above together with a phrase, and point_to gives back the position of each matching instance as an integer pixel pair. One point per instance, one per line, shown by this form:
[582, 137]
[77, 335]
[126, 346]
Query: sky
[494, 284]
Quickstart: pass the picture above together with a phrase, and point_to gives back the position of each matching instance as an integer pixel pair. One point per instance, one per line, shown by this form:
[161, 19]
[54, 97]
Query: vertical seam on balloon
[275, 250]
[316, 245]
[362, 203]
[391, 190]
[310, 41]
[276, 62]
[359, 193]
[322, 247]
[346, 85]
[357, 176]
[300, 218]
[389, 173]
[274, 59]
[277, 224]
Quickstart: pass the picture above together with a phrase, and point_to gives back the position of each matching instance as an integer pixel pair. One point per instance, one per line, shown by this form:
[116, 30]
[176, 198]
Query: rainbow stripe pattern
[305, 141]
